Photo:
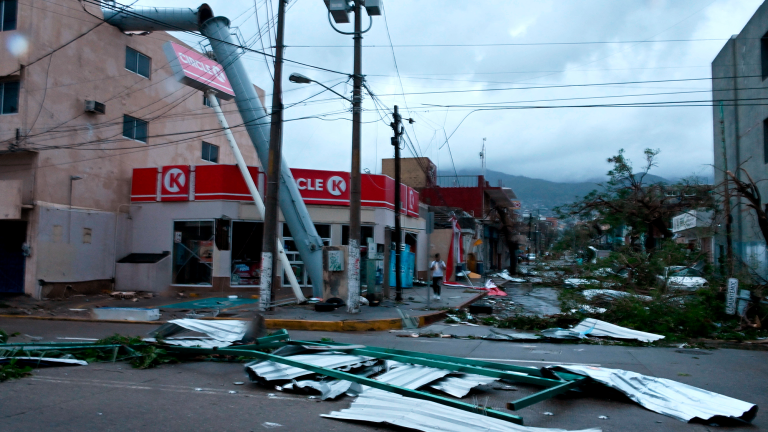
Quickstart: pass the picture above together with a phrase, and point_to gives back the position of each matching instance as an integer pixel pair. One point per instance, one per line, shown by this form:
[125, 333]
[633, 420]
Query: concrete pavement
[117, 397]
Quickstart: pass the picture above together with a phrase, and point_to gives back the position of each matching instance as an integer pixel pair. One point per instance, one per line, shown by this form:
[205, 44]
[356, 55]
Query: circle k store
[196, 228]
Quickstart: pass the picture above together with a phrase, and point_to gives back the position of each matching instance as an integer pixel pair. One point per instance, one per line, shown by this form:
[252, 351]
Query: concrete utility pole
[397, 127]
[354, 174]
[269, 255]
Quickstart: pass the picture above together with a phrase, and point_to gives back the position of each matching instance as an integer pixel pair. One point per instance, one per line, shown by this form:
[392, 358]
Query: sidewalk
[386, 316]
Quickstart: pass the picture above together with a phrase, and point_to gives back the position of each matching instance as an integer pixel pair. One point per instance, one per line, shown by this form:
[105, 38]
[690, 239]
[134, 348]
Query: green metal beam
[448, 359]
[544, 395]
[358, 379]
[453, 366]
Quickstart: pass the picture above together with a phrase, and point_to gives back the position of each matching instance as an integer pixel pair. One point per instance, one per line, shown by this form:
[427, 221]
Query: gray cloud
[555, 144]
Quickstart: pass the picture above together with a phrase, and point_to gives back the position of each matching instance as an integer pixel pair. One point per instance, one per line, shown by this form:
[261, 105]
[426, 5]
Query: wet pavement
[534, 300]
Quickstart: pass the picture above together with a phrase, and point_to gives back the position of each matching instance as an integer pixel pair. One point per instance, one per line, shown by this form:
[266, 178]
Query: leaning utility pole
[397, 127]
[269, 256]
[727, 200]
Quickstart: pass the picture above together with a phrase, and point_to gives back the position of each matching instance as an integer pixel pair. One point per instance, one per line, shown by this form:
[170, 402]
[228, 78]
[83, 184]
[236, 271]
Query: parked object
[683, 277]
[126, 314]
[667, 397]
[595, 327]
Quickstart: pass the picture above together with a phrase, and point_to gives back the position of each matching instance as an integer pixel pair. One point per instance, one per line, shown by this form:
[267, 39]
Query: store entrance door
[13, 234]
[246, 253]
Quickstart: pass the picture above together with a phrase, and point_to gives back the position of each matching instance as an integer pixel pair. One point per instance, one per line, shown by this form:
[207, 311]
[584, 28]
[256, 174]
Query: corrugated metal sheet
[411, 376]
[378, 406]
[197, 342]
[271, 371]
[327, 389]
[229, 330]
[671, 398]
[595, 327]
[459, 386]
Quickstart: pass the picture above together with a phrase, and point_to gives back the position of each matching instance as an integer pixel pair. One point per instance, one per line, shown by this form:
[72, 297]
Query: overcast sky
[560, 144]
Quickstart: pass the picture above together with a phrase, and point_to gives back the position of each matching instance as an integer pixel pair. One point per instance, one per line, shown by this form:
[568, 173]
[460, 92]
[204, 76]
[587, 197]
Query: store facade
[204, 216]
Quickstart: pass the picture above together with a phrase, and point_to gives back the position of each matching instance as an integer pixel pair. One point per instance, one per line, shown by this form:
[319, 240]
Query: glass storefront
[246, 253]
[193, 252]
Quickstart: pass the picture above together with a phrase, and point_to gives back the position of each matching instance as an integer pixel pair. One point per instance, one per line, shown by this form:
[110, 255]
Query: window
[193, 252]
[207, 102]
[9, 97]
[135, 129]
[763, 54]
[297, 265]
[8, 15]
[366, 232]
[136, 62]
[765, 141]
[210, 152]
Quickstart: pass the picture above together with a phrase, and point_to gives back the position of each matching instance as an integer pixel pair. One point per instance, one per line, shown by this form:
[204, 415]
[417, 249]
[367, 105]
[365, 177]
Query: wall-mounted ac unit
[95, 107]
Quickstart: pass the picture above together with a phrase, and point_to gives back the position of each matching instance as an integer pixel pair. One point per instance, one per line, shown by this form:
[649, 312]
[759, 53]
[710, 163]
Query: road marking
[536, 361]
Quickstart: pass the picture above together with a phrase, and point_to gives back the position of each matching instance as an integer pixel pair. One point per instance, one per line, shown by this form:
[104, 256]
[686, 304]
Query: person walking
[437, 266]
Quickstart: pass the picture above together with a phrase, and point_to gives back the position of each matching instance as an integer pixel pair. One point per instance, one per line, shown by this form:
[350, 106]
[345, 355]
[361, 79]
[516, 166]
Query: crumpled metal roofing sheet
[271, 371]
[671, 398]
[459, 386]
[595, 327]
[411, 376]
[197, 342]
[378, 406]
[327, 389]
[229, 330]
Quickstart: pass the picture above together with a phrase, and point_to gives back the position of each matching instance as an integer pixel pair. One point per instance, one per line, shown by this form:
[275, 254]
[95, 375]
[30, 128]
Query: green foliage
[4, 336]
[528, 322]
[326, 340]
[13, 371]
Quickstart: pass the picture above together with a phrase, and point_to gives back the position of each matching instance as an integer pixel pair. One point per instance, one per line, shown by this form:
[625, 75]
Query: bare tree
[748, 191]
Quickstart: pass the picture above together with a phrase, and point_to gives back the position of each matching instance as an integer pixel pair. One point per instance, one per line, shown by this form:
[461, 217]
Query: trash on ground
[559, 333]
[611, 294]
[460, 386]
[327, 389]
[505, 275]
[595, 327]
[271, 371]
[220, 333]
[671, 398]
[123, 294]
[126, 314]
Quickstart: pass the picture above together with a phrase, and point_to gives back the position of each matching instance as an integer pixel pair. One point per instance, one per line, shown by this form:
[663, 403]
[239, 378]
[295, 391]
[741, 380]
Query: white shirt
[437, 268]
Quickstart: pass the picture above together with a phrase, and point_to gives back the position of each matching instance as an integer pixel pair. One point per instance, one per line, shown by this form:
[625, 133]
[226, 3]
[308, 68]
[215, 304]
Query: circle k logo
[336, 185]
[174, 180]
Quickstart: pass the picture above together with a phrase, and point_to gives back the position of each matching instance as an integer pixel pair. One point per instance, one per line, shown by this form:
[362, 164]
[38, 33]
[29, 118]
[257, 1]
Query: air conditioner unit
[95, 107]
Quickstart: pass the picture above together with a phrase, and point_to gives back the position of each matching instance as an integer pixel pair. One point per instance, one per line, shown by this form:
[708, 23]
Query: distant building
[739, 73]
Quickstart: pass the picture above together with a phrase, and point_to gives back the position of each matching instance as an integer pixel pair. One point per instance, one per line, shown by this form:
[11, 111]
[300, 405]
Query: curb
[293, 324]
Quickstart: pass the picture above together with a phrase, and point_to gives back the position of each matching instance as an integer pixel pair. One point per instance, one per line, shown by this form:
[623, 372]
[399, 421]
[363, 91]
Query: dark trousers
[437, 282]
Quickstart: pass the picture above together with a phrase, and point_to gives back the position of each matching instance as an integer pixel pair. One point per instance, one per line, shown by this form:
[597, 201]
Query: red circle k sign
[175, 183]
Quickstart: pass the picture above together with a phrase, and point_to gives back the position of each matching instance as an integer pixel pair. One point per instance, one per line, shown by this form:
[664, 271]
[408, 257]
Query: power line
[459, 45]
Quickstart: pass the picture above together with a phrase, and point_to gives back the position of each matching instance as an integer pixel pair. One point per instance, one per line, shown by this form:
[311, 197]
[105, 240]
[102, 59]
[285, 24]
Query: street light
[301, 79]
[339, 10]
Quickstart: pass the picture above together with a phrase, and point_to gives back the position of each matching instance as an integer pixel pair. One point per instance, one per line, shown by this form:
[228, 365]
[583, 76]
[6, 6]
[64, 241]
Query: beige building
[92, 121]
[65, 172]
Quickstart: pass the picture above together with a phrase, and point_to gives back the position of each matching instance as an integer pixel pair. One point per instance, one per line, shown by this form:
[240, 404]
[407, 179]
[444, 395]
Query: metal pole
[253, 190]
[727, 201]
[398, 230]
[269, 275]
[353, 301]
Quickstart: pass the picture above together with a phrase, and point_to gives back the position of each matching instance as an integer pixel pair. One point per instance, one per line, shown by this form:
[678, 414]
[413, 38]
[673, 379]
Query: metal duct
[309, 244]
[227, 52]
[155, 18]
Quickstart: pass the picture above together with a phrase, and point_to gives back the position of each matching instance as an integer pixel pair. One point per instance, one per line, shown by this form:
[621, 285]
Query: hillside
[544, 194]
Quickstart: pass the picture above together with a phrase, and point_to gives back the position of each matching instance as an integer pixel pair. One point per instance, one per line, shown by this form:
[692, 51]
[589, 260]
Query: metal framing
[562, 382]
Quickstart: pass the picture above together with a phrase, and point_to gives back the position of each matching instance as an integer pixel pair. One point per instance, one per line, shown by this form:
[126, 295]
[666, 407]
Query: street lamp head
[299, 79]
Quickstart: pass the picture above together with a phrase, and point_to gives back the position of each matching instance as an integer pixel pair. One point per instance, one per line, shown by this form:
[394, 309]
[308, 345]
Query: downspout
[227, 51]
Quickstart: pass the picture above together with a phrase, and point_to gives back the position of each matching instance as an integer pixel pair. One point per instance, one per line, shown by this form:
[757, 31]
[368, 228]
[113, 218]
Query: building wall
[737, 75]
[59, 139]
[469, 199]
[411, 171]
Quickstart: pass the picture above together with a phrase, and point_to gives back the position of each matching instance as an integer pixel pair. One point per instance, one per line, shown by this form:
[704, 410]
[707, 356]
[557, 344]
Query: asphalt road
[106, 397]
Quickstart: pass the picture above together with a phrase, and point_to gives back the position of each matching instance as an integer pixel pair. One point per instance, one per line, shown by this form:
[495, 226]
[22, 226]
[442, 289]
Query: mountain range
[544, 194]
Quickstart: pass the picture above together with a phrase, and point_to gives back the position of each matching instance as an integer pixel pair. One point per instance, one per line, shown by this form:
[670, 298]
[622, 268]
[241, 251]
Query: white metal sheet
[459, 386]
[595, 327]
[271, 371]
[378, 406]
[671, 398]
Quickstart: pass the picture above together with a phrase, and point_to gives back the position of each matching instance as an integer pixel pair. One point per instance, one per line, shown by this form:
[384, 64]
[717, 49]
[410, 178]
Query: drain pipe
[227, 51]
[254, 192]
